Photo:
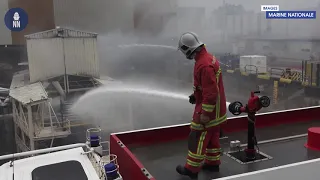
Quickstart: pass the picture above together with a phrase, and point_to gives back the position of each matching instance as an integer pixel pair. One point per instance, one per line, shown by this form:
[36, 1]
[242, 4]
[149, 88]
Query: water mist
[122, 107]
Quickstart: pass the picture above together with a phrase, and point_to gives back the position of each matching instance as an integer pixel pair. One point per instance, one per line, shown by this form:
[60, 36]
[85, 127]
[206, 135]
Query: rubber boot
[221, 134]
[212, 168]
[185, 172]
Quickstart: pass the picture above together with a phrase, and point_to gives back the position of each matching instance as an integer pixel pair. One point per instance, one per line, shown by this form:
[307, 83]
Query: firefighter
[210, 108]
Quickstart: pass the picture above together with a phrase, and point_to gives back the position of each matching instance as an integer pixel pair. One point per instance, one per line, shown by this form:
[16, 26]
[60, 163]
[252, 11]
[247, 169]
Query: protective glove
[204, 119]
[192, 99]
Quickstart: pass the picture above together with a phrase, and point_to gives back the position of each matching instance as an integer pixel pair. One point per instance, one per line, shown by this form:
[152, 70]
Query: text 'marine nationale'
[291, 14]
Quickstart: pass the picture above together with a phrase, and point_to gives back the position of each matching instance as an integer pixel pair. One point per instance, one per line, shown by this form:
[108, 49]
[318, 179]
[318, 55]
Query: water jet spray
[148, 45]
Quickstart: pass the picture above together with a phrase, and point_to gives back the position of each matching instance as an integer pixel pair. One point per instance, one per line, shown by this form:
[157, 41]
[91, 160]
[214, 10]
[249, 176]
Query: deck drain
[240, 157]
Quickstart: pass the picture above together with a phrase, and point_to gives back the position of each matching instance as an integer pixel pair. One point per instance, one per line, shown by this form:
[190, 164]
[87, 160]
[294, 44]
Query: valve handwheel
[234, 108]
[264, 101]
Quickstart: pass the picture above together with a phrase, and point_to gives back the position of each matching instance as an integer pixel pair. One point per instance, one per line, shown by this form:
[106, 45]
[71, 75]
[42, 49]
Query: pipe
[278, 139]
[40, 151]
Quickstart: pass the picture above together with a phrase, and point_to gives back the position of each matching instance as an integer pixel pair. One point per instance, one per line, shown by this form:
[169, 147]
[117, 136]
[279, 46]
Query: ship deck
[281, 136]
[168, 155]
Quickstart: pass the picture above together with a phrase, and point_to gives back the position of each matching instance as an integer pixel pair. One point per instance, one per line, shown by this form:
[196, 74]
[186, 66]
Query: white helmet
[188, 43]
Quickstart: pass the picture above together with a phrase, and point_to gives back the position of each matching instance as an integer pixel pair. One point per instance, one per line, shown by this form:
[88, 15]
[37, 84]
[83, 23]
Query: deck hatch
[240, 156]
[68, 170]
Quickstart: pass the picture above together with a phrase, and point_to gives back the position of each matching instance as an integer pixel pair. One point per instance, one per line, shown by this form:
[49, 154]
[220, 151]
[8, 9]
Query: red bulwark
[313, 139]
[129, 166]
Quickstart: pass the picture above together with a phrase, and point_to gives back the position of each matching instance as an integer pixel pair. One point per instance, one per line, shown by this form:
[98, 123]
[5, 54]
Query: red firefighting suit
[210, 101]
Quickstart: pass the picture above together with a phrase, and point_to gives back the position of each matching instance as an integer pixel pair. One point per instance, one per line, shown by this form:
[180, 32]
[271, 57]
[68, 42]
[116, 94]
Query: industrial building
[61, 62]
[291, 48]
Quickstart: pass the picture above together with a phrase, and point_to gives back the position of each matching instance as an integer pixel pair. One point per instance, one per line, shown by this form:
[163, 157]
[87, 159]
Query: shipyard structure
[61, 64]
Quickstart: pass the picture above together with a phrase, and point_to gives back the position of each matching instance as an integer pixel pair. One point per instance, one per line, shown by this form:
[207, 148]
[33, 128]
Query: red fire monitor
[255, 103]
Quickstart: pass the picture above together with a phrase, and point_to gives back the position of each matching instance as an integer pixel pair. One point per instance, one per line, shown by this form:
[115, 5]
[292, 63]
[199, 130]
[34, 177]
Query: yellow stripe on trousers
[214, 150]
[194, 164]
[213, 158]
[218, 98]
[195, 156]
[200, 144]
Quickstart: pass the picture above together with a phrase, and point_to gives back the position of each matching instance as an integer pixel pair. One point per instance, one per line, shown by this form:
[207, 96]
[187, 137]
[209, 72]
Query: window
[69, 170]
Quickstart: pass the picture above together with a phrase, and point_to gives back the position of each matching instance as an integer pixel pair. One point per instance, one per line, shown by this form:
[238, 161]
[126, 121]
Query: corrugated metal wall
[81, 56]
[5, 33]
[95, 15]
[45, 58]
[40, 15]
[53, 57]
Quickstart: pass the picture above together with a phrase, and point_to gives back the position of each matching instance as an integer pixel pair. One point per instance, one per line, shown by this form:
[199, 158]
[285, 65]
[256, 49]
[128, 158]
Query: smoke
[135, 59]
[219, 24]
[146, 54]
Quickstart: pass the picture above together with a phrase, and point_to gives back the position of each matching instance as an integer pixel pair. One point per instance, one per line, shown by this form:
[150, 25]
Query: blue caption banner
[291, 14]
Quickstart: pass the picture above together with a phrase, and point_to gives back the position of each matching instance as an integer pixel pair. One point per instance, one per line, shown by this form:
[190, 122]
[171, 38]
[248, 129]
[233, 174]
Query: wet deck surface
[161, 160]
[309, 171]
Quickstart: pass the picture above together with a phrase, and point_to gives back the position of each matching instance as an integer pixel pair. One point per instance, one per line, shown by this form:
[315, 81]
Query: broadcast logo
[273, 12]
[16, 19]
[270, 8]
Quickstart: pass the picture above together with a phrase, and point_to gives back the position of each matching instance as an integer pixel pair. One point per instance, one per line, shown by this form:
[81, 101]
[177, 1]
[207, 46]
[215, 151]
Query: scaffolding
[34, 117]
[311, 73]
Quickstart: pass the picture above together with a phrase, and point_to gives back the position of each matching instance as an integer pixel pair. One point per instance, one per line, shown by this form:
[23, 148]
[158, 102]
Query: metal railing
[41, 151]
